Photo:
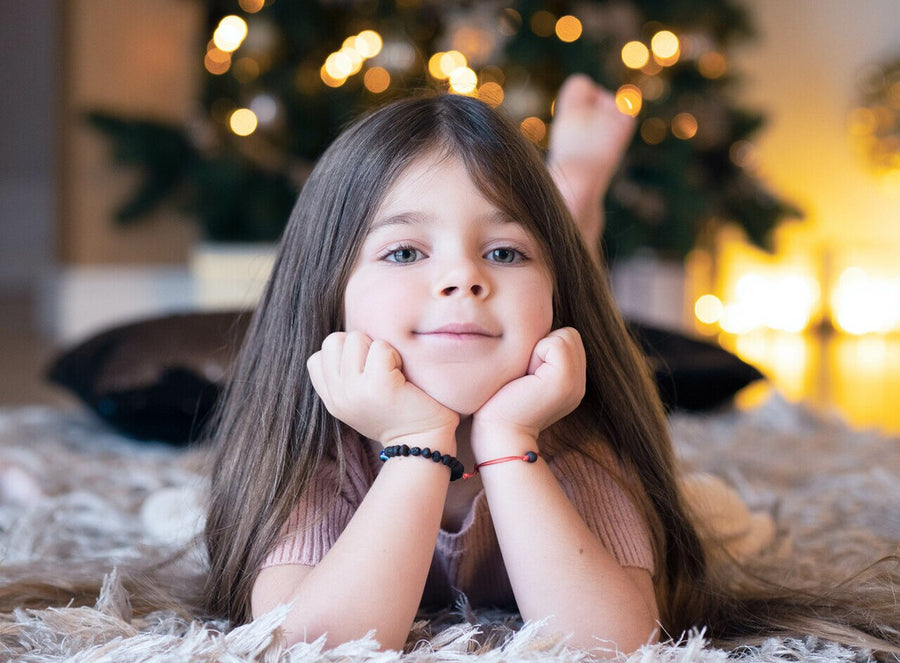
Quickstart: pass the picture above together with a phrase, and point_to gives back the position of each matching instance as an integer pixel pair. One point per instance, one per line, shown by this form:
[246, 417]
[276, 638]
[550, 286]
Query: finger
[562, 348]
[332, 351]
[355, 351]
[315, 371]
[383, 357]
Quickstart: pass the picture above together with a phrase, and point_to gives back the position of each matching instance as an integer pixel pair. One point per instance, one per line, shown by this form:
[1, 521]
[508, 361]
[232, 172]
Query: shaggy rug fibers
[75, 496]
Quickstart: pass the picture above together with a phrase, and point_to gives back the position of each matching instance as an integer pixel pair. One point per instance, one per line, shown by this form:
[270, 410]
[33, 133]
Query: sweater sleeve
[603, 501]
[310, 530]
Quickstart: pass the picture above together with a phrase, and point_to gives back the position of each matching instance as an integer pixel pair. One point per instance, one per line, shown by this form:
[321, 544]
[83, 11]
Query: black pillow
[158, 379]
[154, 379]
[691, 374]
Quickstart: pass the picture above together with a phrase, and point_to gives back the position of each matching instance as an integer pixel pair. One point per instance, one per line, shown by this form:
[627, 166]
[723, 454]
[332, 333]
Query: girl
[433, 310]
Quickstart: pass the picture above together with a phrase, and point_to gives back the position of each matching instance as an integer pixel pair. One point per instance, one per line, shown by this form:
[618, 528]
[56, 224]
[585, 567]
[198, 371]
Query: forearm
[374, 575]
[556, 565]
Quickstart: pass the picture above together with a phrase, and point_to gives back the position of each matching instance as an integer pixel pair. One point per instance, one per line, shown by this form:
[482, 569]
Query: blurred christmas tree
[283, 76]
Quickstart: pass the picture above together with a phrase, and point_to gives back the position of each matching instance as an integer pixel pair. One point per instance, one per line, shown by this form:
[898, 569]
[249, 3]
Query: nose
[462, 278]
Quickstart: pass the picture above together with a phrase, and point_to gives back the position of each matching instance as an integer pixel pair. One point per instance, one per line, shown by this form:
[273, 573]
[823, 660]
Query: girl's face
[456, 286]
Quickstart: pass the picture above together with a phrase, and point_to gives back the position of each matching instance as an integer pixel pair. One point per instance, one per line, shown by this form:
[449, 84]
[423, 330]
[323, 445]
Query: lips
[460, 330]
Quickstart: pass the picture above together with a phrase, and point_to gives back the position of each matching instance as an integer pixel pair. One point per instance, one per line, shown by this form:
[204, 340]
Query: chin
[465, 400]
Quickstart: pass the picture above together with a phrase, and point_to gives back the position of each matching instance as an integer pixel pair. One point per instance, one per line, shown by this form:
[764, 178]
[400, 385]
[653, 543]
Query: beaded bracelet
[456, 467]
[528, 457]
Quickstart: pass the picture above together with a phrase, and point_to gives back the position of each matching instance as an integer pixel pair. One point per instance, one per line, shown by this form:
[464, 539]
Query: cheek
[372, 307]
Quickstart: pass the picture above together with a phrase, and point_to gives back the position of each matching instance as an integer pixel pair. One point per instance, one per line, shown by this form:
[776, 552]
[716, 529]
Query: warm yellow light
[684, 126]
[712, 65]
[356, 60]
[568, 28]
[654, 130]
[542, 23]
[491, 93]
[534, 129]
[863, 304]
[338, 65]
[709, 309]
[666, 48]
[779, 300]
[635, 55]
[329, 80]
[368, 43]
[451, 61]
[243, 122]
[434, 67]
[230, 33]
[737, 319]
[463, 80]
[629, 100]
[251, 6]
[217, 61]
[377, 80]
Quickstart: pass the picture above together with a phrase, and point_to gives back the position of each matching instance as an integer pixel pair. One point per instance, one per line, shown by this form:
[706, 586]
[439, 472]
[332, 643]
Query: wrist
[443, 440]
[492, 440]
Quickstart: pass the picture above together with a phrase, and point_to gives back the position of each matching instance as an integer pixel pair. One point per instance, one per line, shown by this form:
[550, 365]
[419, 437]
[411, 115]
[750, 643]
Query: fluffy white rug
[74, 495]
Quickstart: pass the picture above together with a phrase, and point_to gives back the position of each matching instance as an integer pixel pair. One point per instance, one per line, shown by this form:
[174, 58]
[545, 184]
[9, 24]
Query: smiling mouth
[459, 331]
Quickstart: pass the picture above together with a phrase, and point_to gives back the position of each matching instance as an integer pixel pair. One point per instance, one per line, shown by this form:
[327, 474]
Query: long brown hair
[273, 432]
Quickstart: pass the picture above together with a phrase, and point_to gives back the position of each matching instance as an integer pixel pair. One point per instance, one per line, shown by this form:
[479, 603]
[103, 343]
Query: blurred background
[150, 150]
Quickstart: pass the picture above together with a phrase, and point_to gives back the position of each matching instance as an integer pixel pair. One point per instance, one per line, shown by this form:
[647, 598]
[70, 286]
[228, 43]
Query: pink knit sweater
[467, 560]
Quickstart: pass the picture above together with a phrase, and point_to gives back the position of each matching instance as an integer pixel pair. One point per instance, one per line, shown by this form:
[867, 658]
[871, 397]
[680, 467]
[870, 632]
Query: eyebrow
[498, 217]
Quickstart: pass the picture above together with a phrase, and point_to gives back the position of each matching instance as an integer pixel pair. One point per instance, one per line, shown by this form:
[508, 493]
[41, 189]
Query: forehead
[439, 178]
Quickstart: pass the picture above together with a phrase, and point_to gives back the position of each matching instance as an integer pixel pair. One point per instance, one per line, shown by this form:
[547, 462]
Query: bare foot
[588, 138]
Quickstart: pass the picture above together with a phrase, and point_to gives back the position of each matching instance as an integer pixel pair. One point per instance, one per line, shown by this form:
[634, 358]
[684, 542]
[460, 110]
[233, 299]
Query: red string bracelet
[528, 457]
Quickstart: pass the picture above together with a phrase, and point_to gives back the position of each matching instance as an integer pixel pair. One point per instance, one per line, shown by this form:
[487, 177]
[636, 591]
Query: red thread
[529, 457]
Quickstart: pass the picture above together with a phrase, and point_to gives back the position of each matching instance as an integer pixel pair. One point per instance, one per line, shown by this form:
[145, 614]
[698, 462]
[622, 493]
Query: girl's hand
[362, 384]
[553, 387]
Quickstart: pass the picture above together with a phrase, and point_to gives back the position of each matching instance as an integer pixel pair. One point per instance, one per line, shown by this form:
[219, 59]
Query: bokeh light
[463, 80]
[451, 61]
[265, 108]
[684, 126]
[862, 303]
[368, 43]
[491, 93]
[533, 128]
[635, 55]
[377, 80]
[328, 79]
[654, 130]
[243, 122]
[629, 100]
[666, 48]
[230, 33]
[251, 6]
[568, 28]
[217, 61]
[709, 309]
[712, 65]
